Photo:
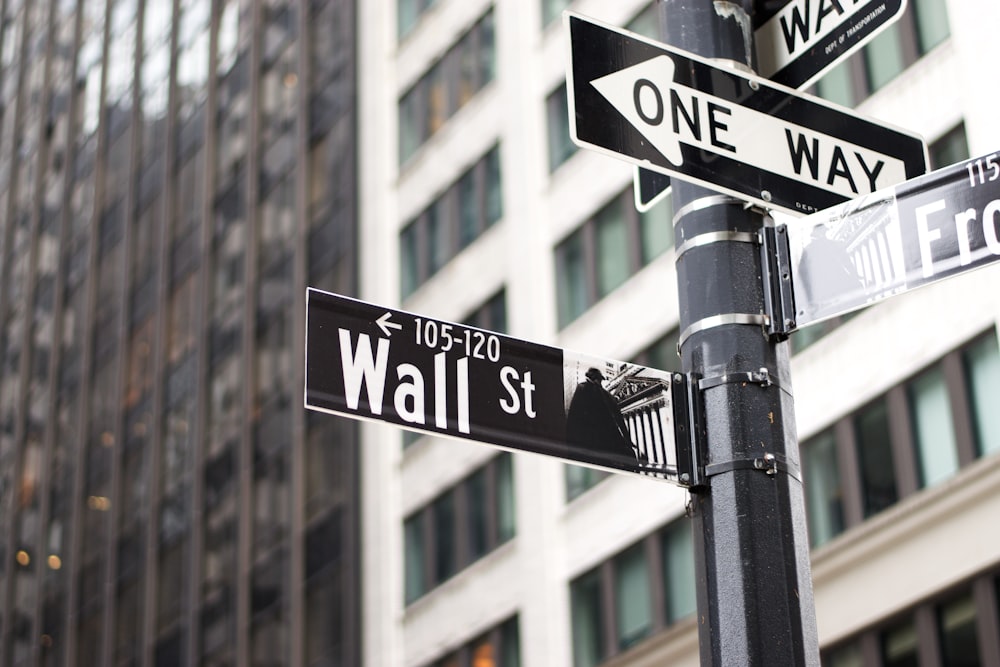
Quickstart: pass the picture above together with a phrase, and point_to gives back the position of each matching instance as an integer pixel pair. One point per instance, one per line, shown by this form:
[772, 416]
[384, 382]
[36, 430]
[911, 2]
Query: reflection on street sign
[369, 362]
[673, 112]
[895, 240]
[796, 43]
[801, 40]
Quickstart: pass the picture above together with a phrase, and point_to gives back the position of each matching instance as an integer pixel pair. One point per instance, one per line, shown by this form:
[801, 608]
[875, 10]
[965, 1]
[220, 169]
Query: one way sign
[670, 111]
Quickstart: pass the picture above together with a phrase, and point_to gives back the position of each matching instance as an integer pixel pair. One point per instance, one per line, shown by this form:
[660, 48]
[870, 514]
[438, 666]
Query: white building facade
[475, 208]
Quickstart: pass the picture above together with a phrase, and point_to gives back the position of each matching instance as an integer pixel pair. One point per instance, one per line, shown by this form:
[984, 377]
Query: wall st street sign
[369, 362]
[670, 111]
[895, 240]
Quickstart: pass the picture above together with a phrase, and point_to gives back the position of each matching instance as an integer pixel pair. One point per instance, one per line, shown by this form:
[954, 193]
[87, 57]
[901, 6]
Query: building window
[574, 294]
[408, 14]
[413, 538]
[874, 450]
[551, 10]
[492, 315]
[982, 363]
[451, 222]
[931, 18]
[917, 31]
[581, 478]
[443, 528]
[633, 604]
[956, 627]
[561, 146]
[884, 57]
[604, 251]
[837, 85]
[498, 647]
[587, 620]
[934, 435]
[458, 527]
[677, 548]
[647, 22]
[824, 503]
[614, 606]
[918, 434]
[952, 147]
[899, 645]
[845, 656]
[451, 82]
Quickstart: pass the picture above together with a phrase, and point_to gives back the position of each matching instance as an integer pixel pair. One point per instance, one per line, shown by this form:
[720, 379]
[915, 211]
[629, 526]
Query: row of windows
[446, 87]
[451, 222]
[458, 527]
[498, 647]
[410, 12]
[916, 435]
[646, 587]
[957, 629]
[922, 27]
[605, 250]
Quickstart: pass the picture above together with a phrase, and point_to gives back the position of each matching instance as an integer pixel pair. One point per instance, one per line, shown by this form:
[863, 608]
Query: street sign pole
[755, 600]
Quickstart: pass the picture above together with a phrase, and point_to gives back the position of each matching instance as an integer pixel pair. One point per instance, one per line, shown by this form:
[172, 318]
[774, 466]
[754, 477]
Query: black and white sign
[798, 42]
[895, 240]
[673, 112]
[803, 39]
[650, 188]
[369, 362]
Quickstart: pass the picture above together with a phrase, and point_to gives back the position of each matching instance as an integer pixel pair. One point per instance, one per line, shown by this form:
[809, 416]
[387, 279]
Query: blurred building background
[174, 173]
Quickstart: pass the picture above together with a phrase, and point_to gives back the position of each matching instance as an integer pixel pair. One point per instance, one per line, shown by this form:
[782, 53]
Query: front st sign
[369, 362]
[670, 111]
[895, 240]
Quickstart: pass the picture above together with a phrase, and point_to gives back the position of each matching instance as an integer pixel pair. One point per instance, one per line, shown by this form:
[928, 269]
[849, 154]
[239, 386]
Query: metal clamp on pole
[769, 464]
[689, 430]
[761, 377]
[776, 266]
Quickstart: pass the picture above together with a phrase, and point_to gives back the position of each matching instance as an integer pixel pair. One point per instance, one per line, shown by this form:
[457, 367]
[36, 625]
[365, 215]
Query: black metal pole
[755, 600]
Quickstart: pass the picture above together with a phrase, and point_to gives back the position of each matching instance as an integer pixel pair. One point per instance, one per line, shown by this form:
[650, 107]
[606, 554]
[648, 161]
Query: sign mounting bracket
[776, 269]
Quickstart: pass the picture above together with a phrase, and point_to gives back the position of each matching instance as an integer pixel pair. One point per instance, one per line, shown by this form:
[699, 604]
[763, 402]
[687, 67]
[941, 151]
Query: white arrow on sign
[384, 324]
[668, 114]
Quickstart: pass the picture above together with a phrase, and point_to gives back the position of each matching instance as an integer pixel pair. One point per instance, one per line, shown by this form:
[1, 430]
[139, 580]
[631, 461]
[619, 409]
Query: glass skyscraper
[173, 173]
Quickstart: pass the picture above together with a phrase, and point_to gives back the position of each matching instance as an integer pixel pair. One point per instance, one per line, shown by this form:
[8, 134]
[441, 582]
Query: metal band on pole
[703, 203]
[719, 321]
[715, 237]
